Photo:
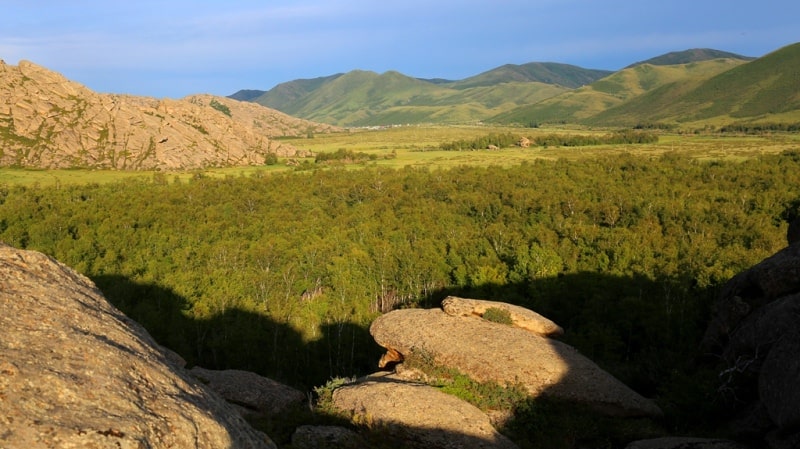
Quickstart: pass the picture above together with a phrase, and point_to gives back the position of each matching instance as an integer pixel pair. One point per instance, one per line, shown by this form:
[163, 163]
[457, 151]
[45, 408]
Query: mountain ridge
[763, 87]
[362, 98]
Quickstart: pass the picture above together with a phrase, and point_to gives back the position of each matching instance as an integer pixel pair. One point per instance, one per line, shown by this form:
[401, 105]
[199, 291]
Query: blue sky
[173, 48]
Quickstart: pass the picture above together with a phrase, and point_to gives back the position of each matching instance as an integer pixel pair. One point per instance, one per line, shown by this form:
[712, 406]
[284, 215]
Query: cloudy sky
[173, 48]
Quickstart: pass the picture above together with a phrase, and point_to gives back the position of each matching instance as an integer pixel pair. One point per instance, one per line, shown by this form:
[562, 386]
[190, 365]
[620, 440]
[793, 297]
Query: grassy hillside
[544, 72]
[691, 86]
[689, 56]
[362, 98]
[759, 90]
[285, 95]
[585, 102]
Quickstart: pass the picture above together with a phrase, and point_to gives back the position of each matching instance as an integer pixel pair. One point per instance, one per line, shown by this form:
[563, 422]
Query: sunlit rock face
[508, 355]
[48, 121]
[77, 373]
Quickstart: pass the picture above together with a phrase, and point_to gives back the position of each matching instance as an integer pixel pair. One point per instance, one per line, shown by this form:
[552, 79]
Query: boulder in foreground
[77, 373]
[418, 415]
[492, 352]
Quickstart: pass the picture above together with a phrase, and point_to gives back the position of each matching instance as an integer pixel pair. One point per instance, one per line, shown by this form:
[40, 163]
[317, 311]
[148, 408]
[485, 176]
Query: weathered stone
[77, 373]
[773, 278]
[57, 123]
[778, 381]
[521, 317]
[752, 340]
[326, 437]
[418, 415]
[754, 327]
[254, 393]
[684, 443]
[492, 352]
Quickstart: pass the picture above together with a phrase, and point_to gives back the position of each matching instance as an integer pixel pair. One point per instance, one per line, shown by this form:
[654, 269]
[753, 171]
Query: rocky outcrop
[418, 415]
[47, 121]
[776, 277]
[520, 317]
[492, 352]
[254, 394]
[76, 372]
[754, 331]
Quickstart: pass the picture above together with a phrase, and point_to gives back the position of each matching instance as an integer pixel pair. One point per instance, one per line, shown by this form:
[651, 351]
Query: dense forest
[281, 274]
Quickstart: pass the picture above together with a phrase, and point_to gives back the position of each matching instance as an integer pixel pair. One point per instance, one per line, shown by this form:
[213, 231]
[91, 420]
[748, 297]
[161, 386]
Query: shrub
[497, 315]
[220, 107]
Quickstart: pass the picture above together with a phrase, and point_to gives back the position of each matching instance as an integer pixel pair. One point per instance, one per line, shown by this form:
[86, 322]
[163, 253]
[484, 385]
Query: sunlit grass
[418, 146]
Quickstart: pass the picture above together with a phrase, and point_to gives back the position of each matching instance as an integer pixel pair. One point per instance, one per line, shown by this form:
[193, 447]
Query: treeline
[759, 128]
[282, 274]
[505, 140]
[499, 140]
[624, 137]
[343, 155]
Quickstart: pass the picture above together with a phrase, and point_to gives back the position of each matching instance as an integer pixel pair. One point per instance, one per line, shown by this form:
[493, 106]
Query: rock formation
[754, 331]
[520, 317]
[254, 394]
[419, 415]
[47, 121]
[76, 372]
[493, 352]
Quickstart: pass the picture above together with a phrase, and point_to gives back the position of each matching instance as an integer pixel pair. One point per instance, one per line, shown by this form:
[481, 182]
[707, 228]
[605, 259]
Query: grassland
[418, 146]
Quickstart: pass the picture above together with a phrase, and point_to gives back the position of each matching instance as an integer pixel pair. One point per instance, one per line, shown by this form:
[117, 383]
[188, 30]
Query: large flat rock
[77, 373]
[419, 415]
[493, 352]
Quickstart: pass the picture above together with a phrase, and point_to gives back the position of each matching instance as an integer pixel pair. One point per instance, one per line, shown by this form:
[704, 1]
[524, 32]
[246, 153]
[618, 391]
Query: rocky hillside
[76, 372]
[48, 121]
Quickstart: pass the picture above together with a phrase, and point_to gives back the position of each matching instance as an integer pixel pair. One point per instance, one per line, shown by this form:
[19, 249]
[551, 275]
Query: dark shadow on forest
[238, 339]
[643, 331]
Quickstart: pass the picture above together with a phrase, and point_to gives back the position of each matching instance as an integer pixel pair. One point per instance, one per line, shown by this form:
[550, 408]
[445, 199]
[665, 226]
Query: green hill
[247, 94]
[585, 102]
[285, 95]
[363, 98]
[694, 85]
[765, 89]
[544, 72]
[689, 56]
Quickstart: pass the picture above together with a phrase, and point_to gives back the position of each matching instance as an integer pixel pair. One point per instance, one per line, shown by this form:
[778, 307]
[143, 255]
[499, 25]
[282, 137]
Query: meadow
[418, 146]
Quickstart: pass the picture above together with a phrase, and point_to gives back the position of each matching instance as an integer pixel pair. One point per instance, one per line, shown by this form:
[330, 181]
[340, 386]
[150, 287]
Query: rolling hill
[533, 93]
[765, 89]
[586, 102]
[689, 56]
[363, 98]
[543, 72]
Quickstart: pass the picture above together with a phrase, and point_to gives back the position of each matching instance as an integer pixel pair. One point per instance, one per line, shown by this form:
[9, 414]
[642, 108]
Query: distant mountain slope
[364, 98]
[540, 92]
[544, 72]
[763, 88]
[585, 102]
[247, 94]
[283, 96]
[689, 56]
[48, 121]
